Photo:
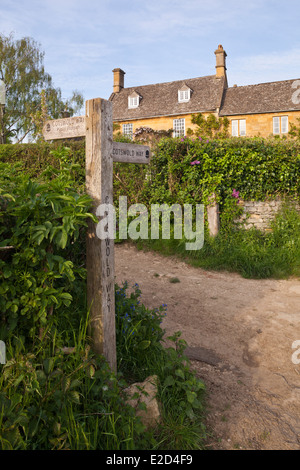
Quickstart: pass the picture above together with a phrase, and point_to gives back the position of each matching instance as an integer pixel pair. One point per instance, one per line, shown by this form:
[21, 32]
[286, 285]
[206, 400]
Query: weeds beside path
[240, 334]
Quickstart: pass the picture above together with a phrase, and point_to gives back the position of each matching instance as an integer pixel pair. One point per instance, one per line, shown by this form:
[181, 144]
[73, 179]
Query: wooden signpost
[2, 107]
[101, 152]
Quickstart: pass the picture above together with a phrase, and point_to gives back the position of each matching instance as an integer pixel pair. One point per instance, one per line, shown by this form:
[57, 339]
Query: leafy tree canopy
[28, 90]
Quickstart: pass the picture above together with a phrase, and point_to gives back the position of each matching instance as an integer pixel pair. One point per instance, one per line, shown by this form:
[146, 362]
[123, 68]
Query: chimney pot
[118, 80]
[221, 62]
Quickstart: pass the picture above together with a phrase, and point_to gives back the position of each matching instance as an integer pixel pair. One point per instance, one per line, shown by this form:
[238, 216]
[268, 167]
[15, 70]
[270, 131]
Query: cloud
[259, 68]
[155, 41]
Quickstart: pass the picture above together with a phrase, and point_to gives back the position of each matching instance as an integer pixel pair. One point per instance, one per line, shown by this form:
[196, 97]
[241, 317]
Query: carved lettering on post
[100, 253]
[64, 128]
[130, 153]
[101, 152]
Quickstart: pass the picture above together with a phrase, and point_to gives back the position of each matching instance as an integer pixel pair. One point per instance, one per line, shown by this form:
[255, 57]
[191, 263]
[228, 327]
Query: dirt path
[239, 334]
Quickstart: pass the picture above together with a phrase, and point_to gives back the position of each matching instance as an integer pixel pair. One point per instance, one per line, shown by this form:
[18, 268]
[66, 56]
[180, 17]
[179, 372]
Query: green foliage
[183, 396]
[139, 332]
[55, 393]
[147, 135]
[141, 353]
[295, 130]
[250, 252]
[211, 126]
[186, 170]
[255, 167]
[39, 220]
[35, 158]
[52, 401]
[179, 383]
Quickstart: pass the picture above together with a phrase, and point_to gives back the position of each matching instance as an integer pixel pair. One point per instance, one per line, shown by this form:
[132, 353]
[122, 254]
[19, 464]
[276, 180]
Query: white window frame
[184, 96]
[242, 124]
[280, 125]
[128, 129]
[133, 102]
[238, 127]
[234, 127]
[178, 127]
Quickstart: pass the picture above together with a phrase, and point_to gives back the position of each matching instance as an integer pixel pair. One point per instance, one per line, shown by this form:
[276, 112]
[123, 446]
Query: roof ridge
[263, 83]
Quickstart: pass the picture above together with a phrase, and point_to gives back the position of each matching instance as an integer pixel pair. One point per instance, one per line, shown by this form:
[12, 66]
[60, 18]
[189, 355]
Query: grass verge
[249, 252]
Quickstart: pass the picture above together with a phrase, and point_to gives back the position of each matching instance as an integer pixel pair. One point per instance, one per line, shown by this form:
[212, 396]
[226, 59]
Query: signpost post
[2, 107]
[101, 152]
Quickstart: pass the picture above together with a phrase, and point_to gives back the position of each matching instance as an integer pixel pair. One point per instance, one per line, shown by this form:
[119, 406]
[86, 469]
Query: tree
[25, 78]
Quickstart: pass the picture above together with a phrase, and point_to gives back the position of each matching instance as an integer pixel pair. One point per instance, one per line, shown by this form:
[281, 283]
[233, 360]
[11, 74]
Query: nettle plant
[40, 233]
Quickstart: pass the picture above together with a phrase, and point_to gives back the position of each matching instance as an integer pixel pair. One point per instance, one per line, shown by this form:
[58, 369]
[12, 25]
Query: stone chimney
[118, 80]
[221, 63]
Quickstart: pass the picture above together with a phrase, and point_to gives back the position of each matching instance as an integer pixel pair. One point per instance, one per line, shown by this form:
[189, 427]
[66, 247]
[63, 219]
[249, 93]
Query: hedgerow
[55, 392]
[187, 170]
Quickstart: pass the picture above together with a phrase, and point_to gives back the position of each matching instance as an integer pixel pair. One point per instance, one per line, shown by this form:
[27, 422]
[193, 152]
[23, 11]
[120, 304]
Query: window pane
[284, 124]
[242, 127]
[276, 125]
[133, 102]
[183, 95]
[128, 130]
[235, 128]
[179, 127]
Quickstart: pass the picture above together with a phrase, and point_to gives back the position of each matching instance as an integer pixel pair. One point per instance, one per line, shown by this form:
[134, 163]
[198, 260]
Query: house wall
[262, 124]
[160, 123]
[256, 124]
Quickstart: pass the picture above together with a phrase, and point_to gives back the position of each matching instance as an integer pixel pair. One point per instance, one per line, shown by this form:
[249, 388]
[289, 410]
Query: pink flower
[235, 194]
[195, 162]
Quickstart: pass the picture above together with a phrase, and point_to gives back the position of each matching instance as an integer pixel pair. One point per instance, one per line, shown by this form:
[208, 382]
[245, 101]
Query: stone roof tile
[162, 99]
[281, 96]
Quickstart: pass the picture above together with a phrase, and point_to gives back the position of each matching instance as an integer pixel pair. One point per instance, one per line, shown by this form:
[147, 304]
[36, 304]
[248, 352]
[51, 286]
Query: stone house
[264, 109]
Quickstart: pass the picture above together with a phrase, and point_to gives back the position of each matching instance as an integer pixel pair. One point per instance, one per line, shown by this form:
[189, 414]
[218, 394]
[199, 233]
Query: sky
[158, 40]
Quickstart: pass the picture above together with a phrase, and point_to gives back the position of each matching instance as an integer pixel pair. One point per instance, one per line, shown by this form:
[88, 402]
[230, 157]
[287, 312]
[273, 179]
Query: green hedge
[36, 157]
[185, 170]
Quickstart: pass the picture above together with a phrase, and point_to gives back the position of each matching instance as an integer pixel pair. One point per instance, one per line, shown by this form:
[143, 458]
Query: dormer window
[184, 94]
[134, 100]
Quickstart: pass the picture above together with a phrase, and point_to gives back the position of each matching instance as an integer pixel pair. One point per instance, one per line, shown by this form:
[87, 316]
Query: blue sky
[158, 40]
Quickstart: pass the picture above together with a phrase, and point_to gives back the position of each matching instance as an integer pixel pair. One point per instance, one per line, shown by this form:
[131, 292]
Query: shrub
[55, 393]
[43, 223]
[53, 401]
[139, 334]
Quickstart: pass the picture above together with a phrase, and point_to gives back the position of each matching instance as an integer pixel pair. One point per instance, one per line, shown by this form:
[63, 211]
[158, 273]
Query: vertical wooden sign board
[100, 253]
[101, 152]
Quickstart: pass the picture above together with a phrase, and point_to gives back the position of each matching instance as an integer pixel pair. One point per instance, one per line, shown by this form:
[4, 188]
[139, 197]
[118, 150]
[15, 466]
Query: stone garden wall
[260, 213]
[256, 214]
